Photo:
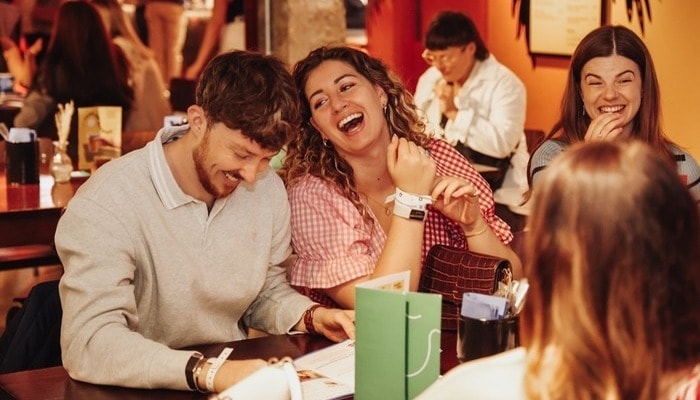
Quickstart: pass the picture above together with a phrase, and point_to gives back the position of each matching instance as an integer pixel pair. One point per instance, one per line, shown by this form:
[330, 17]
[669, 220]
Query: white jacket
[490, 119]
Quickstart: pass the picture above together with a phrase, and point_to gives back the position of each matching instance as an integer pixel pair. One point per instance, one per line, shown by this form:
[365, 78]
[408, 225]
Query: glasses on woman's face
[447, 56]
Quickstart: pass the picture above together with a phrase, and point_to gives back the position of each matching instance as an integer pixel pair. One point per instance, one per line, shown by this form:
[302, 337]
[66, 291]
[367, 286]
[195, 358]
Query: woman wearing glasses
[478, 102]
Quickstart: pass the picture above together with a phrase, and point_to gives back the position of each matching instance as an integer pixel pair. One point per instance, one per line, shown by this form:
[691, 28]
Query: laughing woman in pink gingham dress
[361, 140]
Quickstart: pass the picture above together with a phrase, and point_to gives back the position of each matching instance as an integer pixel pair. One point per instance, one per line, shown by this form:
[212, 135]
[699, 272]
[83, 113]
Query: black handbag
[452, 271]
[495, 178]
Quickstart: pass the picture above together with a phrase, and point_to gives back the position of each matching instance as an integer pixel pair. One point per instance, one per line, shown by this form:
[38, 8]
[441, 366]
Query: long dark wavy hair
[81, 63]
[604, 42]
[307, 153]
[614, 271]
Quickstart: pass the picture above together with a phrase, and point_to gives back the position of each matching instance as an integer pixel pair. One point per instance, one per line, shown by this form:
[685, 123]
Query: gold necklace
[385, 206]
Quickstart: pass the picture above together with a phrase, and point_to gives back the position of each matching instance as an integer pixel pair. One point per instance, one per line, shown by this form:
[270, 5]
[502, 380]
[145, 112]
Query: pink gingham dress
[334, 244]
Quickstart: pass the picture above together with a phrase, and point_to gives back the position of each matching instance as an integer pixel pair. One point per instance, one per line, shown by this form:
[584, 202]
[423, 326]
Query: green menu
[397, 342]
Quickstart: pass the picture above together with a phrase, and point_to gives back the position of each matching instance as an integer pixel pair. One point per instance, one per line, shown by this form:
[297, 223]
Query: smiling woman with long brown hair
[612, 91]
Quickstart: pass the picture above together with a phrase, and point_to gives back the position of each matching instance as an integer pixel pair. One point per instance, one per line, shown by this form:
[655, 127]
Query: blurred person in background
[151, 104]
[477, 104]
[167, 30]
[88, 72]
[226, 27]
[22, 65]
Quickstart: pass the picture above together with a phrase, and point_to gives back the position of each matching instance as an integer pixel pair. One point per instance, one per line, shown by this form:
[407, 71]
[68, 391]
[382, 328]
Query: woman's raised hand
[606, 126]
[457, 199]
[410, 166]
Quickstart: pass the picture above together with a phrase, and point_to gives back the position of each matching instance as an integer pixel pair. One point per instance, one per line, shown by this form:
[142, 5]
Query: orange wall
[673, 38]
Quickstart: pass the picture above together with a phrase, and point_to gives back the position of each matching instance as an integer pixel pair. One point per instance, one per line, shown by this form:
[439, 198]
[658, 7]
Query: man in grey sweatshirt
[180, 242]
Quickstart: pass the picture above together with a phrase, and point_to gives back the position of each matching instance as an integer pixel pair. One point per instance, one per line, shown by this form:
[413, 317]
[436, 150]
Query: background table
[29, 215]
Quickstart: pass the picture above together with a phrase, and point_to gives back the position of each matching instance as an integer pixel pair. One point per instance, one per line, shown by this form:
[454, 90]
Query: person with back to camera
[362, 141]
[613, 265]
[612, 92]
[479, 103]
[179, 243]
[88, 72]
[150, 105]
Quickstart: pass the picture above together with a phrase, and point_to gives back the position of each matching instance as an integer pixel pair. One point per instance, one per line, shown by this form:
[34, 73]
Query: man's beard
[199, 155]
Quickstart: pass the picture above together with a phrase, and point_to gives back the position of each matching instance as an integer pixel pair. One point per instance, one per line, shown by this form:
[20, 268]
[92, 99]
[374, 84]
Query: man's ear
[197, 120]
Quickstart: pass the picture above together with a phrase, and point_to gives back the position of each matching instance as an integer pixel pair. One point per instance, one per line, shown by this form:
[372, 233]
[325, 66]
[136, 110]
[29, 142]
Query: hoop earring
[325, 142]
[583, 111]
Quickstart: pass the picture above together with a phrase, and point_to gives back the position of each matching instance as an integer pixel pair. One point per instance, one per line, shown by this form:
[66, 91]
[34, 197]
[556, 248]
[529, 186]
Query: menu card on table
[99, 135]
[397, 353]
[328, 373]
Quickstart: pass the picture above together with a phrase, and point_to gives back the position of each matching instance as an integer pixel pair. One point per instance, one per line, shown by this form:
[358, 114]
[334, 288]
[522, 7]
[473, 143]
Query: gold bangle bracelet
[197, 372]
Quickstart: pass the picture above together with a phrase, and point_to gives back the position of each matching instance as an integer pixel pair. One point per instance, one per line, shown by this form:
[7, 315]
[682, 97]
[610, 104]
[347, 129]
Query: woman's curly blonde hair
[308, 154]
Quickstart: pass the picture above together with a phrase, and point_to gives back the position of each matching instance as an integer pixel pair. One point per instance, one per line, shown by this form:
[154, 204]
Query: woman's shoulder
[549, 145]
[442, 151]
[679, 151]
[546, 151]
[479, 378]
[310, 186]
[687, 164]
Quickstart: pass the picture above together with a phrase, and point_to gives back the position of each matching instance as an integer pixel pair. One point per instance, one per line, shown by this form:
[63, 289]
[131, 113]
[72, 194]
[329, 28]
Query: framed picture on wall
[556, 26]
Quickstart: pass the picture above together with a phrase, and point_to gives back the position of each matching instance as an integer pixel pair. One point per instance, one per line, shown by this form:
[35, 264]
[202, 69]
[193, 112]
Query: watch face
[417, 214]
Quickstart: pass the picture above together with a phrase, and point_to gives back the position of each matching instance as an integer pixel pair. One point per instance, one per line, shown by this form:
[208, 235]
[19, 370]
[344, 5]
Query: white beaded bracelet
[215, 364]
[410, 199]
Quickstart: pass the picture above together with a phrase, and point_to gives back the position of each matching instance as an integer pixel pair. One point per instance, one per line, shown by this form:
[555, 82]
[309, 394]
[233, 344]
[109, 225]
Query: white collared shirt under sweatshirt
[149, 269]
[490, 119]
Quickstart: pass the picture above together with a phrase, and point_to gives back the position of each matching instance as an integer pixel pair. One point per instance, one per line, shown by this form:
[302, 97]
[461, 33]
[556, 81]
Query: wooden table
[29, 215]
[34, 209]
[54, 383]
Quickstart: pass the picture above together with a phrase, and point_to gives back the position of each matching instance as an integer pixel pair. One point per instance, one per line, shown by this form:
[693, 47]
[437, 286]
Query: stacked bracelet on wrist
[309, 319]
[214, 365]
[198, 371]
[411, 206]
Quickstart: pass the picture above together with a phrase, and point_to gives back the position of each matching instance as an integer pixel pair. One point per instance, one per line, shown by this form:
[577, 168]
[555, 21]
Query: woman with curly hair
[370, 191]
